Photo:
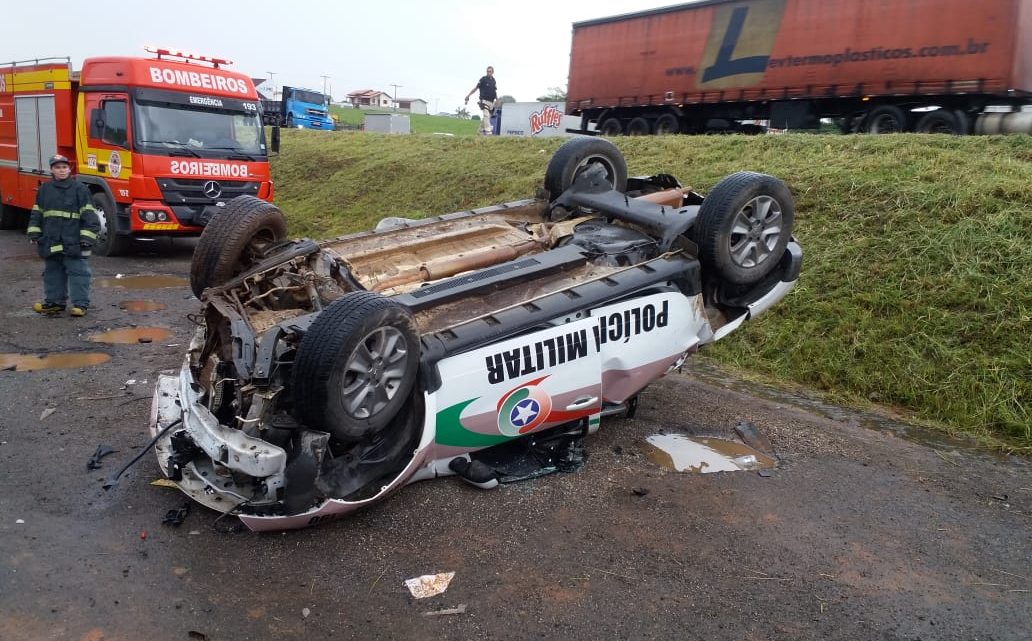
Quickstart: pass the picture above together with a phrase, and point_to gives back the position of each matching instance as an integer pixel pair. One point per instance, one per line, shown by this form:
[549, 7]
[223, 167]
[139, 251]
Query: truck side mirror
[274, 140]
[97, 123]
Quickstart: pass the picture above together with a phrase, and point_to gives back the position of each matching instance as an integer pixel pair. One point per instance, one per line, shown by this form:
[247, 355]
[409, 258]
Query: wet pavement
[857, 533]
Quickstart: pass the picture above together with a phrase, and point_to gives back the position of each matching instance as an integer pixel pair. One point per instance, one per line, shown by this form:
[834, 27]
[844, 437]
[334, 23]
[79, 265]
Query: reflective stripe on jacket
[63, 219]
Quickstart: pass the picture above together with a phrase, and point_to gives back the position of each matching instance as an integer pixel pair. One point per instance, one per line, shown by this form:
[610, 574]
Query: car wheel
[639, 127]
[745, 222]
[667, 124]
[940, 121]
[234, 240]
[576, 155]
[611, 127]
[356, 366]
[886, 119]
[109, 241]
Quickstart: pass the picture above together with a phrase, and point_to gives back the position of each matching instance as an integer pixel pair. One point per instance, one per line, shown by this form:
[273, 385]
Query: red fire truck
[161, 142]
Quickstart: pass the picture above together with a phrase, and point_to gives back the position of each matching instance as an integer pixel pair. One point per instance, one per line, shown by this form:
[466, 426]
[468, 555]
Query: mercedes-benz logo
[212, 189]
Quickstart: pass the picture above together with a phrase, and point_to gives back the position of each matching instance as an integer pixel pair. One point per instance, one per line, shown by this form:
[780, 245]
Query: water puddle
[141, 306]
[702, 455]
[31, 362]
[157, 281]
[129, 335]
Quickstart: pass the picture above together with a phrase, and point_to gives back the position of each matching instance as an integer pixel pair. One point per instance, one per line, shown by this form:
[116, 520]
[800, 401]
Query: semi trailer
[874, 66]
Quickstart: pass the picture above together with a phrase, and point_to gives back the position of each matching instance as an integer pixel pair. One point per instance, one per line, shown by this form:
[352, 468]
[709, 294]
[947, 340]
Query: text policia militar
[550, 352]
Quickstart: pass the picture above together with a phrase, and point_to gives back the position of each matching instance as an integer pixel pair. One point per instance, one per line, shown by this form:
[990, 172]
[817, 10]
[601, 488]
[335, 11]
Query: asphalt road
[857, 534]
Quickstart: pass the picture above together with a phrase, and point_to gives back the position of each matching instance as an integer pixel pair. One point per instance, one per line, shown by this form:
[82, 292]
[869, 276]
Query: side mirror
[274, 140]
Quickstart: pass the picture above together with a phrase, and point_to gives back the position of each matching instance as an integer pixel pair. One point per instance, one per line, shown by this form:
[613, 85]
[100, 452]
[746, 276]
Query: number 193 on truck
[162, 143]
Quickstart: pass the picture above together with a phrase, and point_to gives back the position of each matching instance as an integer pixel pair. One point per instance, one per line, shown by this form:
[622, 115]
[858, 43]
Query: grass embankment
[916, 289]
[418, 123]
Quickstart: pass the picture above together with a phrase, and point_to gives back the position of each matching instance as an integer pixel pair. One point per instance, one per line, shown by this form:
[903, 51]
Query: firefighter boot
[77, 311]
[47, 308]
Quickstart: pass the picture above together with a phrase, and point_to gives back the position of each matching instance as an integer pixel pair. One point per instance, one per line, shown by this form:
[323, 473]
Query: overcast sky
[435, 50]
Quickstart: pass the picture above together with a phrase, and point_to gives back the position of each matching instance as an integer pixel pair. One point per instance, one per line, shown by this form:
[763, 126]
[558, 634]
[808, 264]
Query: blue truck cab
[304, 109]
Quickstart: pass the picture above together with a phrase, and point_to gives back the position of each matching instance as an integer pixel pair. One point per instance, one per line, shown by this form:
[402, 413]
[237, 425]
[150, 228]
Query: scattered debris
[999, 497]
[305, 612]
[47, 412]
[102, 451]
[143, 535]
[460, 609]
[198, 636]
[175, 518]
[765, 473]
[429, 585]
[165, 483]
[20, 521]
[640, 491]
[752, 437]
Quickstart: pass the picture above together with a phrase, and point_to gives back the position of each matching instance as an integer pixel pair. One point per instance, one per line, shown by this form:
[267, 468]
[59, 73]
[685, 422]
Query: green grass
[420, 124]
[916, 290]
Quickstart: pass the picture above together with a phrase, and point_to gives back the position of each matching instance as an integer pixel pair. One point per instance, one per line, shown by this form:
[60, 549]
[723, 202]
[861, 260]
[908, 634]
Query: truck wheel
[667, 124]
[745, 222]
[639, 127]
[234, 240]
[577, 154]
[356, 366]
[963, 122]
[109, 241]
[611, 127]
[940, 121]
[886, 119]
[9, 218]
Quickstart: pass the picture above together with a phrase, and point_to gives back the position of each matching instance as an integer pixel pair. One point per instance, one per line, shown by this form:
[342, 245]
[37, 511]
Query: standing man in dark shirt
[488, 95]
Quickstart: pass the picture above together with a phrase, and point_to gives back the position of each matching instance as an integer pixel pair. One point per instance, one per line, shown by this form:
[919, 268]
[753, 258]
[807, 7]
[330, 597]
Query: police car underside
[328, 374]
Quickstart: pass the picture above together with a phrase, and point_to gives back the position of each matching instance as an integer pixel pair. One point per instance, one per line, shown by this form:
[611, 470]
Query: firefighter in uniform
[64, 227]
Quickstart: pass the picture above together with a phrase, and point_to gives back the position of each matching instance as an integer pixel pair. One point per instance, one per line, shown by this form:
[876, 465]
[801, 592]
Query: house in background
[370, 99]
[413, 105]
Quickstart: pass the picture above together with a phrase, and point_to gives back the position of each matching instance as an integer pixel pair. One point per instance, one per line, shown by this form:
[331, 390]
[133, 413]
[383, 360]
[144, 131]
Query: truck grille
[194, 191]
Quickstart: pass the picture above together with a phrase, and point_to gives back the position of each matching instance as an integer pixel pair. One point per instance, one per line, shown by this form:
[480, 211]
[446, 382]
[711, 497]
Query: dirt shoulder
[858, 534]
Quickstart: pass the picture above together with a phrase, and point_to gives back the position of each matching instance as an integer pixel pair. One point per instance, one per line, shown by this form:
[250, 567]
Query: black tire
[9, 217]
[109, 241]
[745, 222]
[886, 119]
[668, 124]
[577, 154]
[234, 240]
[940, 121]
[963, 122]
[356, 366]
[639, 127]
[611, 127]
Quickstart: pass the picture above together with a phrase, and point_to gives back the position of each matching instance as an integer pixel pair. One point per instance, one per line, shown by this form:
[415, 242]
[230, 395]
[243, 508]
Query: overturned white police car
[326, 375]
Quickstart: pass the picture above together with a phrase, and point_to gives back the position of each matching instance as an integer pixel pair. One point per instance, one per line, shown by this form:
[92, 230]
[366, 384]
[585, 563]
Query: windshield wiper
[179, 151]
[240, 155]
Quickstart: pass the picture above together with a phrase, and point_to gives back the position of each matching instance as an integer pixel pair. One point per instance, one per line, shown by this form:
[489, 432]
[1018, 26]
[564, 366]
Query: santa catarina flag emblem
[524, 408]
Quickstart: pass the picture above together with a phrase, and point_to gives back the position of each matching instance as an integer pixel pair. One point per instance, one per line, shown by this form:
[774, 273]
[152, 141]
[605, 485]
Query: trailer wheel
[745, 222]
[963, 122]
[668, 124]
[611, 127]
[940, 121]
[639, 127]
[886, 119]
[356, 366]
[109, 241]
[577, 154]
[234, 240]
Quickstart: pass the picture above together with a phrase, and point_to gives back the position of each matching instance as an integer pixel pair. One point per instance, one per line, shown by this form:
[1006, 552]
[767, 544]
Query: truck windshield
[309, 97]
[198, 130]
